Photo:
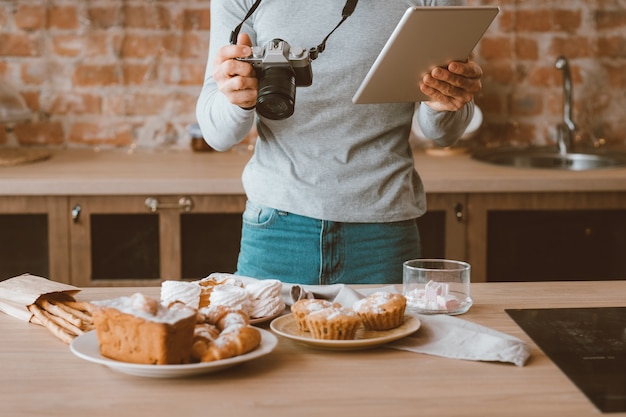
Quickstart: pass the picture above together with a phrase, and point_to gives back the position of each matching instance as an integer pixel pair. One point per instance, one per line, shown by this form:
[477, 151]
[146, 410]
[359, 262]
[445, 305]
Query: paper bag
[17, 293]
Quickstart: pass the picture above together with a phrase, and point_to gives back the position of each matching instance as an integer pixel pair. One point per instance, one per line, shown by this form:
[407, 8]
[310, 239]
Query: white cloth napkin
[452, 337]
[438, 335]
[337, 292]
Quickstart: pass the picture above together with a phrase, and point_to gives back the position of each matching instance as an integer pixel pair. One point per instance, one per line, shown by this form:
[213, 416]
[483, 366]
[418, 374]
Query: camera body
[280, 68]
[277, 52]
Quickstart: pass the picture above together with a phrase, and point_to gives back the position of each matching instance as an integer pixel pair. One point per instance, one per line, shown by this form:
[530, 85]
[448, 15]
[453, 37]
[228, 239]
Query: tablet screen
[424, 38]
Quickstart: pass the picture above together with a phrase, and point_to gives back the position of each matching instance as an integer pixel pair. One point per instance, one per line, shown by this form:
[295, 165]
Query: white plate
[87, 347]
[365, 339]
[260, 320]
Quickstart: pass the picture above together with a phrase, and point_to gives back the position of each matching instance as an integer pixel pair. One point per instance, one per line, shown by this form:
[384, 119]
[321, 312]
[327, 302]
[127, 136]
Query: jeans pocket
[257, 215]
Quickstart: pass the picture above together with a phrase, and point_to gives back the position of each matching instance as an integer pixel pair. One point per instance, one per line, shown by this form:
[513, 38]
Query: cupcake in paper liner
[302, 308]
[334, 323]
[381, 310]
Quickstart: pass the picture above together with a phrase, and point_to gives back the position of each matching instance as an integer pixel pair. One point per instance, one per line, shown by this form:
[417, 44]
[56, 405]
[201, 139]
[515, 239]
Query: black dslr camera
[280, 68]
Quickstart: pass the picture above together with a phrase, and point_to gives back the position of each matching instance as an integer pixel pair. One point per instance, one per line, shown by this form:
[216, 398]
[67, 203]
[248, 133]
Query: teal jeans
[303, 250]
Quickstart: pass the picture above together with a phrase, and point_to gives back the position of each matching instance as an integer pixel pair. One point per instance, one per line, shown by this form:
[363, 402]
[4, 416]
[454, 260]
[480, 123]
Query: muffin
[302, 308]
[381, 310]
[333, 323]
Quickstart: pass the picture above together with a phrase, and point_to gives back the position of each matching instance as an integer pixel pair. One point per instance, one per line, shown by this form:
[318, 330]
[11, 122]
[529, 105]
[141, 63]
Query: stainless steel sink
[563, 155]
[550, 158]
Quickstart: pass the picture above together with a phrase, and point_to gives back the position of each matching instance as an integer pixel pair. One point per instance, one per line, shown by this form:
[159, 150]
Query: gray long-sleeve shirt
[331, 160]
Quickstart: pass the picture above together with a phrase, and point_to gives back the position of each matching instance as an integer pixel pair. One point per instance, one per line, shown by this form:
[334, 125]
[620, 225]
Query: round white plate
[87, 347]
[365, 339]
[260, 320]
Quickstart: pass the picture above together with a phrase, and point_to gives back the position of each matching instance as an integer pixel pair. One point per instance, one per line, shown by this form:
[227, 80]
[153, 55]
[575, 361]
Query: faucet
[566, 129]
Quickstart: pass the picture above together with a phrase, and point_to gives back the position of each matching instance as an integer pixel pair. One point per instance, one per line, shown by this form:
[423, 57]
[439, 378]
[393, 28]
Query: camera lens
[277, 93]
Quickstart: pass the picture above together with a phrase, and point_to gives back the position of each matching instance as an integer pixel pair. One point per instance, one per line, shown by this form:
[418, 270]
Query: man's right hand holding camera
[236, 79]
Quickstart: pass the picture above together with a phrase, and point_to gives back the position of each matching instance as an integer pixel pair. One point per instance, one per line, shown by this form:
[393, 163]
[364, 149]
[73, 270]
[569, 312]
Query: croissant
[233, 342]
[204, 334]
[223, 317]
[221, 333]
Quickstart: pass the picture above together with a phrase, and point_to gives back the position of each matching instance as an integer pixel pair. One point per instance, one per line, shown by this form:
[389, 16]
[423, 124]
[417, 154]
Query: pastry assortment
[257, 298]
[141, 329]
[205, 320]
[198, 321]
[209, 320]
[326, 320]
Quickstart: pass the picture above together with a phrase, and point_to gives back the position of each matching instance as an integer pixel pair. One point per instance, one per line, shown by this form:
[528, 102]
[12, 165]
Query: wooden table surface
[41, 377]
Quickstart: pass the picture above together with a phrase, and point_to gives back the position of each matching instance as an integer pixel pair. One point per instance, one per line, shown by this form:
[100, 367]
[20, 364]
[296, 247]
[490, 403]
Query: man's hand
[235, 79]
[452, 87]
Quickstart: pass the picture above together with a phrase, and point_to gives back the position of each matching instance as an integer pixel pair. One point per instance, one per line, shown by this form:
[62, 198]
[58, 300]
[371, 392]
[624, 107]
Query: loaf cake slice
[138, 329]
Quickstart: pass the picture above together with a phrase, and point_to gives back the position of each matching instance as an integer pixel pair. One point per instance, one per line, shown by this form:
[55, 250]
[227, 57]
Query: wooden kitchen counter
[90, 172]
[41, 377]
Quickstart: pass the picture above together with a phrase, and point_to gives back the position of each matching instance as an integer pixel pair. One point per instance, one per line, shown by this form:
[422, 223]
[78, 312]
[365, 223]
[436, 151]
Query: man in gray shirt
[332, 190]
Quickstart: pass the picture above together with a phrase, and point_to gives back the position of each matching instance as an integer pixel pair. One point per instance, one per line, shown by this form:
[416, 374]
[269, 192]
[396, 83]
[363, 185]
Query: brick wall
[126, 73]
[523, 95]
[104, 72]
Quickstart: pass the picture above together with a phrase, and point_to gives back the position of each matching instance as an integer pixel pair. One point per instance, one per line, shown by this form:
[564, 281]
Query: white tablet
[424, 38]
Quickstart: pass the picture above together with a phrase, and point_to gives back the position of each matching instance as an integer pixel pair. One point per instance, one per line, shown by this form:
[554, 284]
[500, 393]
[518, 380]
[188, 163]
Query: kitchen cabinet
[547, 236]
[443, 227]
[33, 237]
[139, 240]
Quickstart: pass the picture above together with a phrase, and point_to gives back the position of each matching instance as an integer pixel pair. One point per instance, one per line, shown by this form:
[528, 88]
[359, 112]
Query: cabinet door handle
[458, 212]
[76, 213]
[184, 203]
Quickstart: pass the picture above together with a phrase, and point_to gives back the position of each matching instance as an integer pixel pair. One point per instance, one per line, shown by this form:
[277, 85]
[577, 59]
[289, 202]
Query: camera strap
[347, 11]
[235, 33]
